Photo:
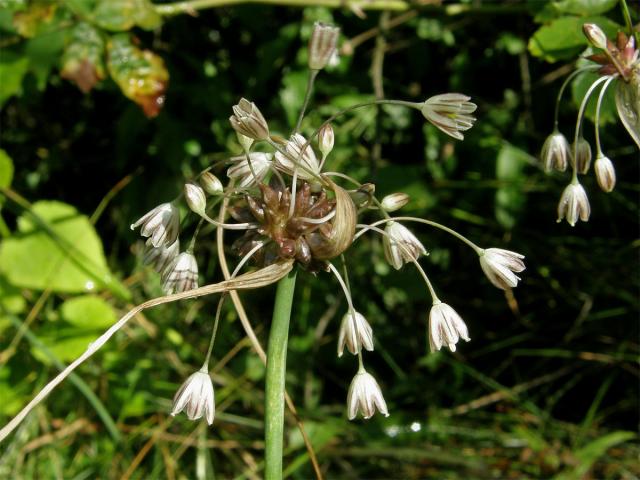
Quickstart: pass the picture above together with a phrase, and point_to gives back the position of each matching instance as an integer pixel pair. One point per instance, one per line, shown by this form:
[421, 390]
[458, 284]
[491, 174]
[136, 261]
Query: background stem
[276, 370]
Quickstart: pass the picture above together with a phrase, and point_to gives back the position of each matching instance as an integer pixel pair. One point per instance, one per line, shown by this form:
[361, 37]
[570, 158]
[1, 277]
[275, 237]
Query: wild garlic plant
[617, 64]
[288, 212]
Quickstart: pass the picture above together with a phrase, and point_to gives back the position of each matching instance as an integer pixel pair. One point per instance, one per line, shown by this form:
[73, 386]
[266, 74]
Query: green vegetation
[108, 106]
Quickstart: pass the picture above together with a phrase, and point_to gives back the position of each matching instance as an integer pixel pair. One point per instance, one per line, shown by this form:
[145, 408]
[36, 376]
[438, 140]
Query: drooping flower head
[365, 397]
[446, 327]
[401, 246]
[181, 275]
[556, 152]
[500, 266]
[574, 204]
[451, 113]
[162, 224]
[355, 334]
[196, 397]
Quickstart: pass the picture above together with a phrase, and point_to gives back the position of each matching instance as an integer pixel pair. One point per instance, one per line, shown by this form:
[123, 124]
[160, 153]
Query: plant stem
[307, 96]
[276, 370]
[453, 9]
[628, 21]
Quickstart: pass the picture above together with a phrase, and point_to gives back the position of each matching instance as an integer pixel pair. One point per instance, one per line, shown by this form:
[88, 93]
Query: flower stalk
[276, 372]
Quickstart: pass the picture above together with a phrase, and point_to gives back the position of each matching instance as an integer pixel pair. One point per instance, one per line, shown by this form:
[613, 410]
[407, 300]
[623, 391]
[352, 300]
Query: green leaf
[584, 7]
[88, 312]
[11, 300]
[628, 106]
[140, 74]
[62, 252]
[82, 60]
[590, 453]
[12, 71]
[43, 53]
[563, 39]
[6, 169]
[36, 19]
[510, 198]
[578, 90]
[64, 349]
[122, 15]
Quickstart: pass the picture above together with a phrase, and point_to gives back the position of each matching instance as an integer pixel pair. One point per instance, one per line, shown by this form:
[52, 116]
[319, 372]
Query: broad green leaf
[6, 169]
[64, 349]
[12, 71]
[37, 18]
[82, 60]
[88, 311]
[563, 38]
[11, 300]
[140, 74]
[43, 53]
[579, 88]
[628, 106]
[122, 15]
[510, 198]
[584, 7]
[65, 254]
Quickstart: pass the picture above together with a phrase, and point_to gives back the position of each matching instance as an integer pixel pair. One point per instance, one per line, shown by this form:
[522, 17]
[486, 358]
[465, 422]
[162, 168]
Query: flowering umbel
[619, 63]
[292, 212]
[196, 397]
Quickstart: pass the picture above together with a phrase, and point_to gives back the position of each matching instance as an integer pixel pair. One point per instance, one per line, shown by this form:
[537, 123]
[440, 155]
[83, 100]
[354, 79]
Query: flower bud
[248, 120]
[325, 139]
[395, 201]
[595, 35]
[605, 173]
[211, 184]
[195, 198]
[322, 44]
[582, 156]
[555, 152]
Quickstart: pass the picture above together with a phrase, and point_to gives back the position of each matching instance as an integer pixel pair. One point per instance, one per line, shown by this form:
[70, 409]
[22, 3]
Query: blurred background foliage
[109, 105]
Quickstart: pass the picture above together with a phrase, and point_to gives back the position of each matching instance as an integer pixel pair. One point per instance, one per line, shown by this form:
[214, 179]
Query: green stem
[628, 21]
[276, 370]
[307, 96]
[190, 6]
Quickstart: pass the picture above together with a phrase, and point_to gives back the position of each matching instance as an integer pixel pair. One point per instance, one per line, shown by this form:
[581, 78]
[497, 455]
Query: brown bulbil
[295, 236]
